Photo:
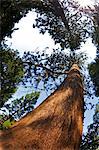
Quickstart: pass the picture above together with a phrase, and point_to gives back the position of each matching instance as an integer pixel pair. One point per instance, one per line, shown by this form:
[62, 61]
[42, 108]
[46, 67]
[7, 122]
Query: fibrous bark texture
[55, 125]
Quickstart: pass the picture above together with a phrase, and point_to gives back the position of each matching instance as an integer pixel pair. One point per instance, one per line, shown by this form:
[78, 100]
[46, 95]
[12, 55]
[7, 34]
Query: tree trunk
[55, 125]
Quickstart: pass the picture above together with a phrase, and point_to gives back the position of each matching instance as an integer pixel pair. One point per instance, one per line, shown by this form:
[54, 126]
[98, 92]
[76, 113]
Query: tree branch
[59, 12]
[47, 69]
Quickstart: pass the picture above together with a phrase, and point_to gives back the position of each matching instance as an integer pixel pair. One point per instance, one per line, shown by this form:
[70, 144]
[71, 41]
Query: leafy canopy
[63, 21]
[94, 66]
[11, 70]
[11, 11]
[48, 71]
[91, 138]
[17, 108]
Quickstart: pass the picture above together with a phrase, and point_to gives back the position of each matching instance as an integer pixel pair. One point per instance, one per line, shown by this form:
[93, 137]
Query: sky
[28, 39]
[84, 3]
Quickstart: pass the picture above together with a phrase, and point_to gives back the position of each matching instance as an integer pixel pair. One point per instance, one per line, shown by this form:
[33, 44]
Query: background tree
[94, 73]
[48, 71]
[11, 70]
[17, 109]
[94, 66]
[90, 139]
[11, 64]
[63, 21]
[11, 12]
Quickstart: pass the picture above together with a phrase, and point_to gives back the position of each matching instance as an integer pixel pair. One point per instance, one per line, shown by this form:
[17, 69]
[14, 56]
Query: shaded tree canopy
[48, 71]
[94, 66]
[94, 73]
[95, 35]
[11, 11]
[17, 108]
[11, 70]
[63, 22]
[90, 139]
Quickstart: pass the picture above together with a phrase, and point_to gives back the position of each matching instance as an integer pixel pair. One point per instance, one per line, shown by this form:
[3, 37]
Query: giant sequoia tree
[57, 123]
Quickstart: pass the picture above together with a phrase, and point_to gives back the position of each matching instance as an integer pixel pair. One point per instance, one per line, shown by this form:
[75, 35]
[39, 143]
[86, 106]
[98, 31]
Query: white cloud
[90, 49]
[27, 38]
[84, 3]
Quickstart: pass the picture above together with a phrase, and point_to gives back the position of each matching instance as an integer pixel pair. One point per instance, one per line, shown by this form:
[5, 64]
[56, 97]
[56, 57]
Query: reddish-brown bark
[55, 125]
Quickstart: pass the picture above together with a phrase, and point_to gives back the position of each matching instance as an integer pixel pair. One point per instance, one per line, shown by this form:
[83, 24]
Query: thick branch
[60, 12]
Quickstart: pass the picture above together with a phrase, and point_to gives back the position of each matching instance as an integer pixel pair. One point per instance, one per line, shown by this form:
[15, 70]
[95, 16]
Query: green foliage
[11, 70]
[63, 21]
[7, 124]
[94, 66]
[95, 35]
[17, 109]
[94, 73]
[90, 141]
[49, 70]
[20, 107]
[11, 11]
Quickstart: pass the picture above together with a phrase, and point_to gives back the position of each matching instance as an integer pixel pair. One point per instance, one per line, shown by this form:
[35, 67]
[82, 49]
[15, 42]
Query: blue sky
[29, 39]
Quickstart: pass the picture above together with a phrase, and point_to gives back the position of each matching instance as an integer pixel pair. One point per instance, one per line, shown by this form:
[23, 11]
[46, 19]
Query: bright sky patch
[85, 3]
